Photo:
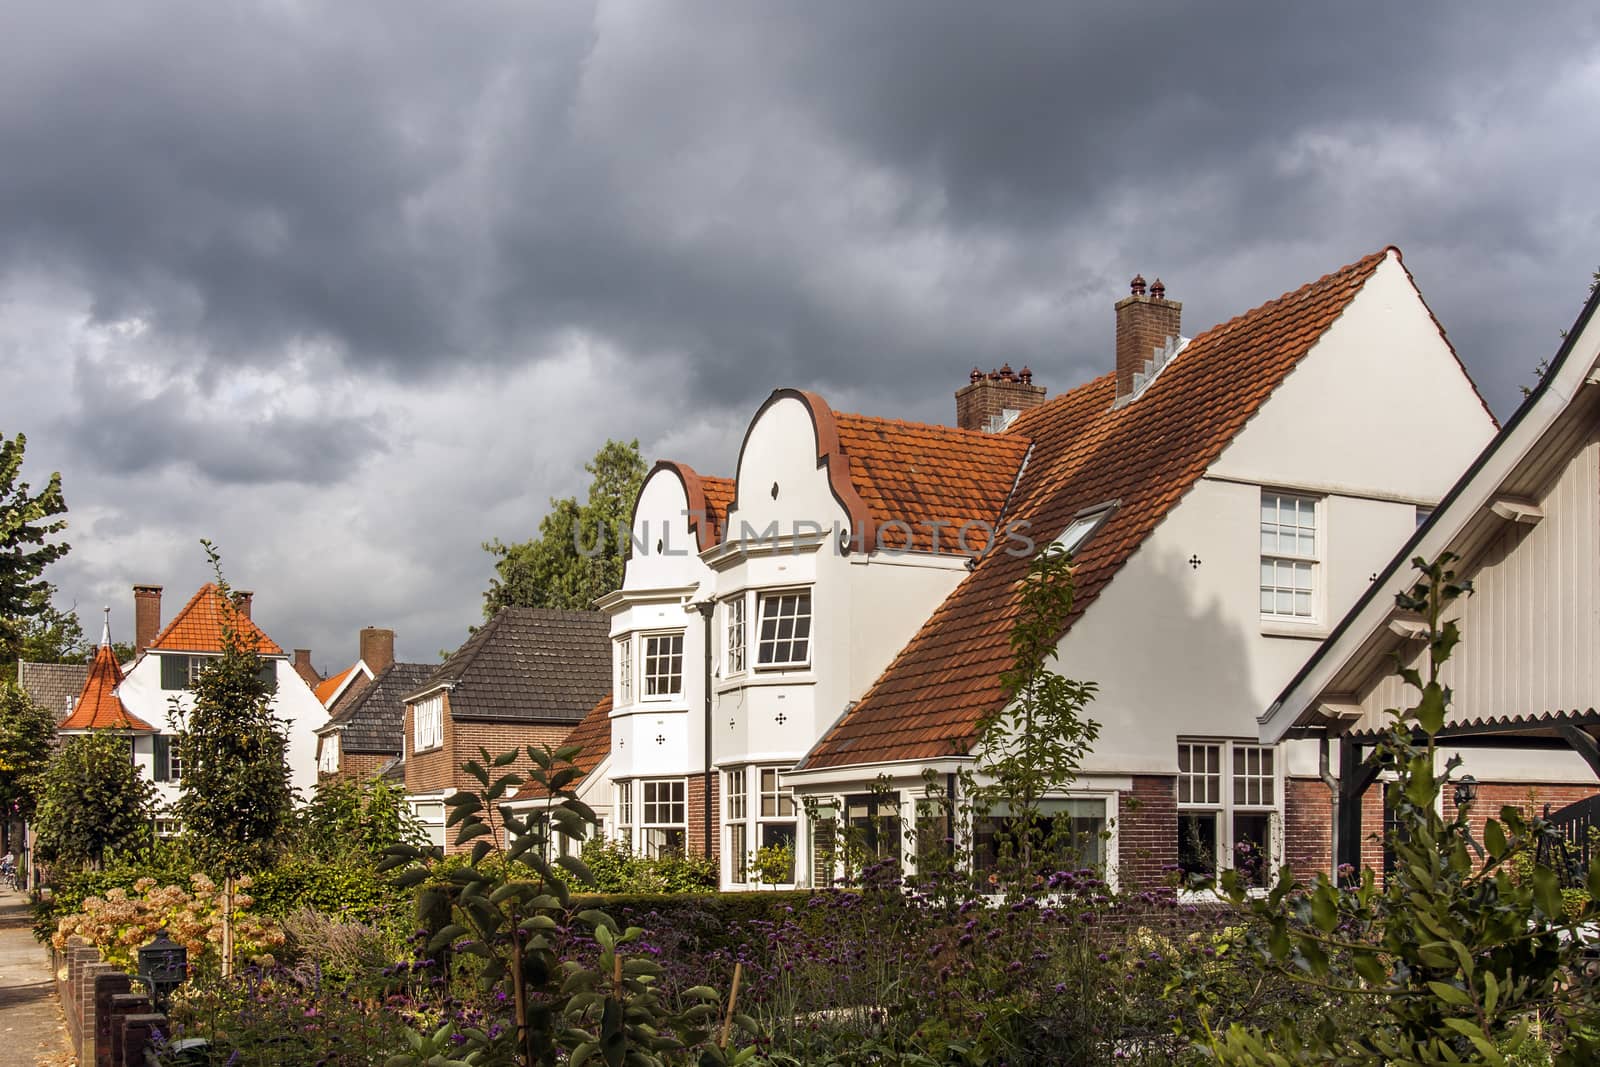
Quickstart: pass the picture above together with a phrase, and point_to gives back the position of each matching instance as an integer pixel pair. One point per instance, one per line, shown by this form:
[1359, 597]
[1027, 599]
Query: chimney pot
[377, 648]
[1136, 287]
[1158, 290]
[977, 375]
[1005, 373]
[146, 616]
[1026, 377]
[242, 599]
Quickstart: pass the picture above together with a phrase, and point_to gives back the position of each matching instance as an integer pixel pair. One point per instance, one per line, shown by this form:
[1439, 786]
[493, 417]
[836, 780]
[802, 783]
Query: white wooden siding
[1530, 631]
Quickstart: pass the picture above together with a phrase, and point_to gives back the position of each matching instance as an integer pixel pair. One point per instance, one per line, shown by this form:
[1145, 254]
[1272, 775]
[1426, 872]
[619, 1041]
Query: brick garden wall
[1307, 826]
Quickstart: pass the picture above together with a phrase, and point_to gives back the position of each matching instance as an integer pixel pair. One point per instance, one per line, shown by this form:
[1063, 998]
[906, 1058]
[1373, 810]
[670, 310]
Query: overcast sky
[350, 288]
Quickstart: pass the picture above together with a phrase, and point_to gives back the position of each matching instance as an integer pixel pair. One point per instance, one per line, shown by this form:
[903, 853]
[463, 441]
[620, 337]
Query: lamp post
[163, 966]
[1466, 791]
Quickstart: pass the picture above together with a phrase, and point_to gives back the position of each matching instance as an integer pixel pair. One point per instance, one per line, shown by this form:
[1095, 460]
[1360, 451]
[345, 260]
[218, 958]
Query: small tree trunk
[227, 926]
[524, 1052]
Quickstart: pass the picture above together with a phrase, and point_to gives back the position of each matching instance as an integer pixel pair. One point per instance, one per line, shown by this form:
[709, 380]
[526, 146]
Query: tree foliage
[235, 799]
[363, 817]
[95, 802]
[29, 522]
[581, 548]
[1466, 948]
[27, 734]
[1036, 743]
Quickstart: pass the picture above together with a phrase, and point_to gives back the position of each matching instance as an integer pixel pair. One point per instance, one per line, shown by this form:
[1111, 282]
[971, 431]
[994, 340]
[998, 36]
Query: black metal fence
[1577, 828]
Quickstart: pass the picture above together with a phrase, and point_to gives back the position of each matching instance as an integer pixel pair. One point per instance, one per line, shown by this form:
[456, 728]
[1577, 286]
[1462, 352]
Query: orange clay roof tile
[326, 688]
[1145, 454]
[197, 627]
[592, 735]
[98, 706]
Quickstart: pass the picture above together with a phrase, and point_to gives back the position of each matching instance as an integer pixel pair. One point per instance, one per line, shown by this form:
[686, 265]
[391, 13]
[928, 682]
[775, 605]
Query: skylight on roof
[1081, 528]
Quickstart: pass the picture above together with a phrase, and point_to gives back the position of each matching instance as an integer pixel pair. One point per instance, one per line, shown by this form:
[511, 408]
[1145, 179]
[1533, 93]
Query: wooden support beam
[1583, 743]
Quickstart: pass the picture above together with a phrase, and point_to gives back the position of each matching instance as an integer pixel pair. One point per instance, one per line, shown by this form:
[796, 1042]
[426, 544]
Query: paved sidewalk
[32, 1030]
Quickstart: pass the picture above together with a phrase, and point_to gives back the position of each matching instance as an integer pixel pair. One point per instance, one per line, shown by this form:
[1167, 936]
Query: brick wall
[1147, 832]
[354, 767]
[1307, 826]
[697, 816]
[439, 769]
[107, 1022]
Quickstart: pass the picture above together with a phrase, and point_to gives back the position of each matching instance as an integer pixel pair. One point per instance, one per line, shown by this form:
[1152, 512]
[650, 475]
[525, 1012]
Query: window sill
[1306, 631]
[431, 748]
[764, 678]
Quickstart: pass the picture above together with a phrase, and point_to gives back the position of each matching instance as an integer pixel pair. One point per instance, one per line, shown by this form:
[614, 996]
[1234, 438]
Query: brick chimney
[242, 599]
[1144, 325]
[303, 667]
[377, 648]
[989, 401]
[146, 616]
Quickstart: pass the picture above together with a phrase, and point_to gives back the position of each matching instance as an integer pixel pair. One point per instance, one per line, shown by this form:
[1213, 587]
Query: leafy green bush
[616, 869]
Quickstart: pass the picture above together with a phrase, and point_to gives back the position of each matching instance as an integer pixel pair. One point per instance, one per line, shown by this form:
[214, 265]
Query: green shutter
[174, 672]
[269, 676]
[163, 768]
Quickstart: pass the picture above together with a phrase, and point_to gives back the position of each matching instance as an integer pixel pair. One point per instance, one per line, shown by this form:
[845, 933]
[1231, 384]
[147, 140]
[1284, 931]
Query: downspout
[1324, 772]
[706, 608]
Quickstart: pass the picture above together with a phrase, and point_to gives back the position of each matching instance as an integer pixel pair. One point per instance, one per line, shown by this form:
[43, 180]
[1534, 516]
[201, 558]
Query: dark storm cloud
[423, 185]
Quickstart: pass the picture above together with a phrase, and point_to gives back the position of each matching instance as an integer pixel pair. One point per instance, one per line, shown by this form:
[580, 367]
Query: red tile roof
[198, 627]
[98, 706]
[707, 496]
[593, 735]
[718, 495]
[918, 476]
[329, 687]
[1145, 454]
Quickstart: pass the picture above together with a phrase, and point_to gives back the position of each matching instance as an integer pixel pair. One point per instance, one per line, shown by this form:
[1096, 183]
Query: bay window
[1068, 834]
[663, 666]
[785, 635]
[664, 817]
[625, 670]
[737, 805]
[775, 821]
[733, 612]
[625, 813]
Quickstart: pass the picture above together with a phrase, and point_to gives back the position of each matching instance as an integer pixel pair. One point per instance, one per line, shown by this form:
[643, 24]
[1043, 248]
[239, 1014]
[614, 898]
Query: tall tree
[29, 522]
[581, 547]
[27, 733]
[95, 801]
[235, 800]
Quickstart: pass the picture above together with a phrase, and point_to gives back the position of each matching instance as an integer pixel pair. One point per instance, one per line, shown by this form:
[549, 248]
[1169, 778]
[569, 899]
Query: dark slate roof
[53, 685]
[374, 715]
[529, 665]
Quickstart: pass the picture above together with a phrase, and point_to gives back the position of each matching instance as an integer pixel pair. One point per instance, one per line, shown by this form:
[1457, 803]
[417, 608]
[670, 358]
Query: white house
[158, 680]
[1226, 498]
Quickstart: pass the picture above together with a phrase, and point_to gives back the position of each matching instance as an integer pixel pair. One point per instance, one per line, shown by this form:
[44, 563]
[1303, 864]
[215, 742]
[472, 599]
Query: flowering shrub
[119, 922]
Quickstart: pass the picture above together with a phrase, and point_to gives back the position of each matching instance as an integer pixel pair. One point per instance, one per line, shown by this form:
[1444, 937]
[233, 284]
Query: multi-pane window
[785, 638]
[328, 757]
[776, 825]
[625, 671]
[735, 617]
[1199, 773]
[776, 802]
[167, 827]
[737, 802]
[625, 813]
[663, 665]
[664, 817]
[1227, 807]
[167, 766]
[427, 723]
[1288, 555]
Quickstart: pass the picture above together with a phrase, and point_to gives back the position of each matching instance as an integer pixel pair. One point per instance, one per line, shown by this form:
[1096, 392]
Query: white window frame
[783, 810]
[676, 803]
[1284, 553]
[328, 758]
[195, 667]
[430, 814]
[736, 818]
[625, 670]
[646, 658]
[1239, 770]
[427, 723]
[735, 645]
[778, 597]
[1083, 526]
[624, 826]
[168, 826]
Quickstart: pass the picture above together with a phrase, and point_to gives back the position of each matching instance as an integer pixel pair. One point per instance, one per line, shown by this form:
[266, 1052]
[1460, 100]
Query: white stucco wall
[293, 702]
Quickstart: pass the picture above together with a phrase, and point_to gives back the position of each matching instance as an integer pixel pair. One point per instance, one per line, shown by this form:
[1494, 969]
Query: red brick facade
[696, 794]
[1307, 826]
[353, 767]
[439, 769]
[1147, 832]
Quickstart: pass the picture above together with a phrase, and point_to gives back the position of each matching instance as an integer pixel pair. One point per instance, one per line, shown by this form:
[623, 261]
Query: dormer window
[427, 723]
[785, 635]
